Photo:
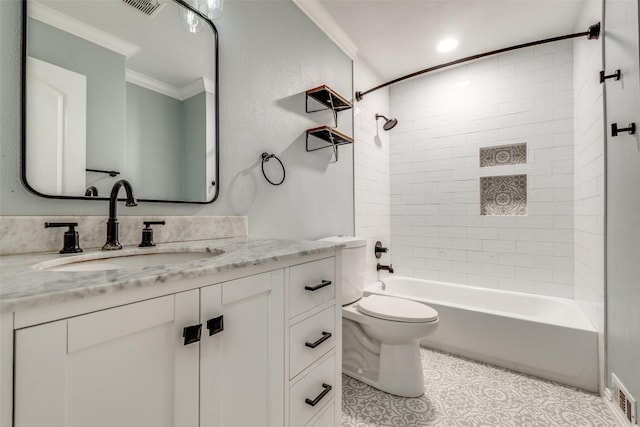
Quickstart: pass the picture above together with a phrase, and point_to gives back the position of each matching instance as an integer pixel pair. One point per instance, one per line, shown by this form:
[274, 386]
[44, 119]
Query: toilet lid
[397, 309]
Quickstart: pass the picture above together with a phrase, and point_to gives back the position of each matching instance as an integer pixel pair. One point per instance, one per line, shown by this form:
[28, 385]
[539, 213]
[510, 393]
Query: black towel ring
[265, 158]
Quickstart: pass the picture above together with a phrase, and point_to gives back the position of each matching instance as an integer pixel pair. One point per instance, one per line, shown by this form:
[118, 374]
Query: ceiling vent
[148, 7]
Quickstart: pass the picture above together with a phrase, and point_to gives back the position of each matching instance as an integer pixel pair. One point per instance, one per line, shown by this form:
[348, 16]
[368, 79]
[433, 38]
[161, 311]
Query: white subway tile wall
[437, 231]
[371, 170]
[589, 161]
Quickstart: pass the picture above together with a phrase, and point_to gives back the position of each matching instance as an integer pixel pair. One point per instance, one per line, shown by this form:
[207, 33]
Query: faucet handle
[71, 243]
[147, 233]
[379, 250]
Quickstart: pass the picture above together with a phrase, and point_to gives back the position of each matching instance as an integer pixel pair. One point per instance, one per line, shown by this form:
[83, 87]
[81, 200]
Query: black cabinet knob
[215, 325]
[191, 334]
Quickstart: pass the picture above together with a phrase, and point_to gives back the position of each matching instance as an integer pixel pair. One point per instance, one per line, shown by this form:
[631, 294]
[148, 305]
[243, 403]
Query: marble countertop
[23, 286]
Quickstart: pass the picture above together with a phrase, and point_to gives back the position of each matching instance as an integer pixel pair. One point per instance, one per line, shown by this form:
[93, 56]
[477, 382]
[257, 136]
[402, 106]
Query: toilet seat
[396, 309]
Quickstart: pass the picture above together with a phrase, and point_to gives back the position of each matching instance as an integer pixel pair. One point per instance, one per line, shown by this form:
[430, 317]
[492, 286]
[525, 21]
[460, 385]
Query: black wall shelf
[329, 137]
[329, 98]
[332, 138]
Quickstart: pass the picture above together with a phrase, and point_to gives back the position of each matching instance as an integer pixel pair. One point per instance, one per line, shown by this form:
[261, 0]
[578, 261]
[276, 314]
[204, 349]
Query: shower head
[388, 123]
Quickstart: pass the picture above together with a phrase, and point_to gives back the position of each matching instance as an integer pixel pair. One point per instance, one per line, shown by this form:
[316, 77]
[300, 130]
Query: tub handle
[379, 249]
[325, 336]
[318, 286]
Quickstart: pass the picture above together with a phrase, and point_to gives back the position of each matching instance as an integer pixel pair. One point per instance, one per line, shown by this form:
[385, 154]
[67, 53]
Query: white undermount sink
[112, 261]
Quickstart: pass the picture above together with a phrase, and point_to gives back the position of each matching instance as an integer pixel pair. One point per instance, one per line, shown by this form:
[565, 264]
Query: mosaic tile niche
[513, 154]
[503, 195]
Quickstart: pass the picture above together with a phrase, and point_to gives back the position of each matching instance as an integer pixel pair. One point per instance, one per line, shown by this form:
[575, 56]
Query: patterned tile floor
[464, 393]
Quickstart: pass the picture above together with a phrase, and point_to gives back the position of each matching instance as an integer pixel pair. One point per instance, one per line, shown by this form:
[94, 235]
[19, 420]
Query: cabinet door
[242, 367]
[126, 366]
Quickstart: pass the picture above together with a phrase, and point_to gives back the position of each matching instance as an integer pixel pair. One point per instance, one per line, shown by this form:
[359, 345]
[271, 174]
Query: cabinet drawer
[311, 387]
[309, 285]
[326, 419]
[318, 332]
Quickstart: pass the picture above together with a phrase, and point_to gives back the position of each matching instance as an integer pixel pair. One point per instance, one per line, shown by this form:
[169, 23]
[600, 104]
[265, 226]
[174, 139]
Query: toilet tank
[353, 264]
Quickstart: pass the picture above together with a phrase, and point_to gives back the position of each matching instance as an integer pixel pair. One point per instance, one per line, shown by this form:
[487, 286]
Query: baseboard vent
[623, 402]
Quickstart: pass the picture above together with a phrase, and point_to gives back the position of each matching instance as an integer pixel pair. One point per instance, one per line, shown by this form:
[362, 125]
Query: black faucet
[388, 268]
[112, 222]
[91, 192]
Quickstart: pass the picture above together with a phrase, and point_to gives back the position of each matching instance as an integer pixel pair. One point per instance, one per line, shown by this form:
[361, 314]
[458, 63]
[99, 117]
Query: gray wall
[622, 22]
[194, 140]
[105, 89]
[270, 53]
[154, 144]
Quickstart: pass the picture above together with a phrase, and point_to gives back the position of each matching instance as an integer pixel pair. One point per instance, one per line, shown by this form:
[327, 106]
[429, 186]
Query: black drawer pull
[215, 325]
[325, 336]
[191, 334]
[318, 286]
[314, 402]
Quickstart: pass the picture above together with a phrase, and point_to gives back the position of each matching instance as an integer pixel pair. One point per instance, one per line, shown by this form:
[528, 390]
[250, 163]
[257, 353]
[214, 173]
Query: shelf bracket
[334, 147]
[335, 113]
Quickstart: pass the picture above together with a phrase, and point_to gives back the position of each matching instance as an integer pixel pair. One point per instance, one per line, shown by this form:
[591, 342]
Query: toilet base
[401, 369]
[395, 369]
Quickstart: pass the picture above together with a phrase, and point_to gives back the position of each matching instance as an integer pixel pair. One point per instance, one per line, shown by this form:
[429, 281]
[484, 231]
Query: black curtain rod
[593, 33]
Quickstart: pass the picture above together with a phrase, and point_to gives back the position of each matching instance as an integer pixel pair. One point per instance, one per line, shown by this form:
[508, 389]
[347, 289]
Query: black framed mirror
[120, 89]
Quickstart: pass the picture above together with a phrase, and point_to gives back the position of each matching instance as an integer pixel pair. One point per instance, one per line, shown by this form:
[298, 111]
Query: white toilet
[380, 334]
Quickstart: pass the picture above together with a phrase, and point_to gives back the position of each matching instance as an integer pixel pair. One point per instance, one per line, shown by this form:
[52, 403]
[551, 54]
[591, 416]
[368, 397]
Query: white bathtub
[544, 336]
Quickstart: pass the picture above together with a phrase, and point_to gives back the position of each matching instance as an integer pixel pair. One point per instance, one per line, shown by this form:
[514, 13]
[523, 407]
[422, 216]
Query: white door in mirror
[56, 129]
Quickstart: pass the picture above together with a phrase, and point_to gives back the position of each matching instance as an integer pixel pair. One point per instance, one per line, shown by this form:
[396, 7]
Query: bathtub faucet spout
[388, 268]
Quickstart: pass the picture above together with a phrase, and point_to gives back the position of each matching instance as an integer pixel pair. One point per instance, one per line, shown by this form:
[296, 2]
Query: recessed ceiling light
[464, 83]
[447, 45]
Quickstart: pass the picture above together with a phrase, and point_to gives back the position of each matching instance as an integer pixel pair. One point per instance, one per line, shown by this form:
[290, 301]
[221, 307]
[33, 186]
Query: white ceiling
[398, 37]
[167, 52]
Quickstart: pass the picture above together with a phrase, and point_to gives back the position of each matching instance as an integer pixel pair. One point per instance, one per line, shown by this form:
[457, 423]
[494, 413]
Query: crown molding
[198, 86]
[319, 15]
[150, 83]
[80, 29]
[142, 80]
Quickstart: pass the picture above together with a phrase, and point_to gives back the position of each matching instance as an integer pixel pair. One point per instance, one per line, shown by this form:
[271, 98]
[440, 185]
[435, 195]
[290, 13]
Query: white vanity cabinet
[229, 354]
[242, 366]
[125, 366]
[315, 328]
